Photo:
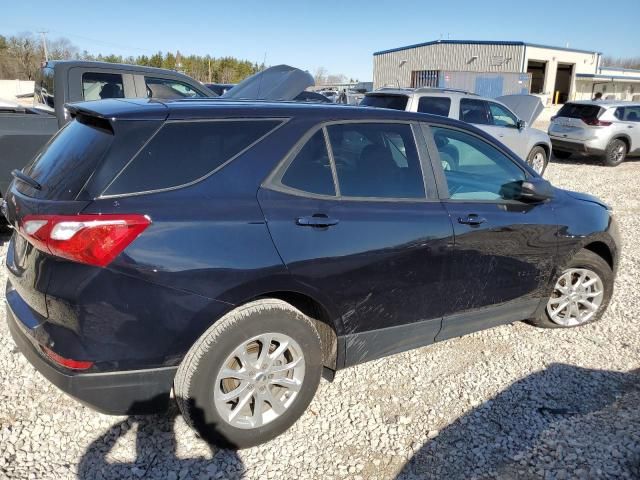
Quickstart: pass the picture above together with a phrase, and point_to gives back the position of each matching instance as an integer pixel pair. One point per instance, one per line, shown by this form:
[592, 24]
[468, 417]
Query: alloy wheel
[576, 297]
[259, 380]
[537, 162]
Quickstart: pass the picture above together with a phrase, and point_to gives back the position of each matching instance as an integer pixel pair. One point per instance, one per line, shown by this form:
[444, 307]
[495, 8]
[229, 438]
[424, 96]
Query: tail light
[67, 362]
[594, 122]
[90, 239]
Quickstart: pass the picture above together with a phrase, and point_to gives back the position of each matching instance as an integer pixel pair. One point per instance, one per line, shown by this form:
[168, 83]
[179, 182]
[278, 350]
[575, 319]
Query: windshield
[395, 102]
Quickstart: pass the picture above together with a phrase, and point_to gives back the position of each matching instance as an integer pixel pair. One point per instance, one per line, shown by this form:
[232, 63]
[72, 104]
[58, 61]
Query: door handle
[471, 219]
[318, 220]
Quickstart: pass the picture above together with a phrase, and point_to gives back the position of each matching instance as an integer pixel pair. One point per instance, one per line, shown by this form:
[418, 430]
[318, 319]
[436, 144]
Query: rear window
[43, 87]
[435, 105]
[576, 110]
[63, 166]
[395, 102]
[183, 152]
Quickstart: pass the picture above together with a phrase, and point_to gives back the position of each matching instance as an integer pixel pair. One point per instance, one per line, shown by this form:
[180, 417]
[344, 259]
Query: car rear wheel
[561, 154]
[537, 159]
[615, 152]
[251, 375]
[581, 293]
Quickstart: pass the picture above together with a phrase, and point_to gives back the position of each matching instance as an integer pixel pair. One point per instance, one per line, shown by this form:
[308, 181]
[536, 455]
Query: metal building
[494, 68]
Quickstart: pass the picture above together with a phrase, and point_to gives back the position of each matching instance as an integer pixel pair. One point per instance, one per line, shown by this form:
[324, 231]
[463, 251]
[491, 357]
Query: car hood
[526, 107]
[585, 197]
[281, 82]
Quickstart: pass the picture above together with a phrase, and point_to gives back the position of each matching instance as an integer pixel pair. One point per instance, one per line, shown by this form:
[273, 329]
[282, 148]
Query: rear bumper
[114, 393]
[575, 147]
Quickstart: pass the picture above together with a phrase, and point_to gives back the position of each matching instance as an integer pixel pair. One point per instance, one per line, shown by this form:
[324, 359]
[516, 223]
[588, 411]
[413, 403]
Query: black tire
[195, 379]
[535, 151]
[615, 153]
[584, 259]
[561, 154]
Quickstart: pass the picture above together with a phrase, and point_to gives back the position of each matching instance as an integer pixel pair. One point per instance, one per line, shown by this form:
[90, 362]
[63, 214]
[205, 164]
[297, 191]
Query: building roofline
[607, 77]
[482, 42]
[619, 69]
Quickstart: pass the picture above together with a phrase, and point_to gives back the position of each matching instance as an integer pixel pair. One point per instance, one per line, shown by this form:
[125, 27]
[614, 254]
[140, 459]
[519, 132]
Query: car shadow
[156, 452]
[592, 160]
[551, 424]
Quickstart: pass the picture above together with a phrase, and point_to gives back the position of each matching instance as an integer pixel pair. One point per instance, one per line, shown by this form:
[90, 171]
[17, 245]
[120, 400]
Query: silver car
[507, 118]
[610, 129]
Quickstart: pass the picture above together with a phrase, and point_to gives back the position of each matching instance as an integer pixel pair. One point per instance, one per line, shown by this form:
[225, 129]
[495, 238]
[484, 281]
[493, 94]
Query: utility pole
[44, 45]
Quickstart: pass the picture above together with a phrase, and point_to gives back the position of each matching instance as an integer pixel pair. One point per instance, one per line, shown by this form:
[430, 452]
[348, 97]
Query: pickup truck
[24, 130]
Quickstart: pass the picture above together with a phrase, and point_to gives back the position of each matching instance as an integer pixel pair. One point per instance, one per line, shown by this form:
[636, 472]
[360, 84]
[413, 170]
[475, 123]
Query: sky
[339, 36]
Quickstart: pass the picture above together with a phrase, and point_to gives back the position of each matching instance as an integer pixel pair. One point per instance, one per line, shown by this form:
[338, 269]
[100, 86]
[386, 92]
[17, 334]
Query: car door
[630, 119]
[504, 126]
[356, 221]
[504, 248]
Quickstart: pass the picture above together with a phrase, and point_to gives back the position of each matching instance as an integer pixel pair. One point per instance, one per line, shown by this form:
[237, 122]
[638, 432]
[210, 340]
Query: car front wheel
[537, 159]
[581, 293]
[251, 375]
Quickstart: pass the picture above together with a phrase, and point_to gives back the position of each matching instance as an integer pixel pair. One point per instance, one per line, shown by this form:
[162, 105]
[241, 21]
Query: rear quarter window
[184, 152]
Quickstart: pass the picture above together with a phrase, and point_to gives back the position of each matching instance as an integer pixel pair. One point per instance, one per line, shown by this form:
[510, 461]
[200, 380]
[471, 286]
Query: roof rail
[438, 89]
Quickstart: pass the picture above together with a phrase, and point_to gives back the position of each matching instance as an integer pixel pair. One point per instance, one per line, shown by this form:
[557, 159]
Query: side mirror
[533, 190]
[521, 124]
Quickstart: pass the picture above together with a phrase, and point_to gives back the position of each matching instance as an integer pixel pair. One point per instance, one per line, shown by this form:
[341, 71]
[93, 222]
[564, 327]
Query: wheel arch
[319, 315]
[546, 147]
[625, 138]
[602, 250]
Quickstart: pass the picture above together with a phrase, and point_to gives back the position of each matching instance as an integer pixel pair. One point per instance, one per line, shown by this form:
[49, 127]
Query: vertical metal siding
[448, 57]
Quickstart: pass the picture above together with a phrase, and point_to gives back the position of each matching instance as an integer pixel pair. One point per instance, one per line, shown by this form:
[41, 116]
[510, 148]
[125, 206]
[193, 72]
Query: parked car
[508, 118]
[312, 97]
[219, 88]
[610, 130]
[288, 241]
[330, 94]
[23, 131]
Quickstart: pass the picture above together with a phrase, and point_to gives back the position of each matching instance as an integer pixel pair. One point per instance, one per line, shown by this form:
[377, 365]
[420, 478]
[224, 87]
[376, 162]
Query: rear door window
[168, 89]
[434, 105]
[310, 170]
[474, 111]
[98, 86]
[377, 160]
[395, 102]
[630, 114]
[184, 152]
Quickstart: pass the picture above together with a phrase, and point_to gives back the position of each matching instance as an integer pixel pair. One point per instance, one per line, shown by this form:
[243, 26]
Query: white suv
[610, 129]
[494, 116]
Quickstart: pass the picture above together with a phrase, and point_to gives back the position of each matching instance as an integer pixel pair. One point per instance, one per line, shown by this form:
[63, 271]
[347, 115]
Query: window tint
[395, 102]
[501, 116]
[474, 111]
[474, 169]
[182, 152]
[310, 170]
[98, 86]
[167, 89]
[434, 105]
[630, 114]
[577, 110]
[376, 160]
[63, 166]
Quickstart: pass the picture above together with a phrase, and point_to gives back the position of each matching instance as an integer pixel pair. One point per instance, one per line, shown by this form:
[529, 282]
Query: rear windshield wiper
[23, 177]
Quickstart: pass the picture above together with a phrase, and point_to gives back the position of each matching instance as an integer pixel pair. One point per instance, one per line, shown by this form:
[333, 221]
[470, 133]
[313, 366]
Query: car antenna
[264, 61]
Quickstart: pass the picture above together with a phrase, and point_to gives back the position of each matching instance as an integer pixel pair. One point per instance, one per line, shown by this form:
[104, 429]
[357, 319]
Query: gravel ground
[514, 401]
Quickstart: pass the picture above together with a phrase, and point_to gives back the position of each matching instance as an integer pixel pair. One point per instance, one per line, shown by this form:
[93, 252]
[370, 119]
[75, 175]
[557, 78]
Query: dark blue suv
[238, 251]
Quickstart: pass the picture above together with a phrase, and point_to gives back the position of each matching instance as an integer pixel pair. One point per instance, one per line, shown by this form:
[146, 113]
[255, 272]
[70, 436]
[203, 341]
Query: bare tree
[24, 48]
[320, 76]
[336, 78]
[624, 62]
